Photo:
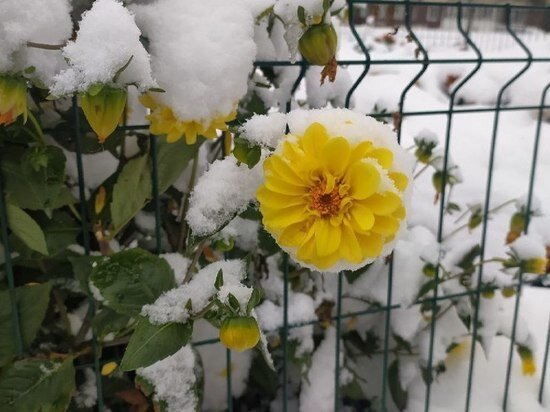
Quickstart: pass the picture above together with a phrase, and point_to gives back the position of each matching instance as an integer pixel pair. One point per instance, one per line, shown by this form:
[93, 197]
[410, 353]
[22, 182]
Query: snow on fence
[363, 68]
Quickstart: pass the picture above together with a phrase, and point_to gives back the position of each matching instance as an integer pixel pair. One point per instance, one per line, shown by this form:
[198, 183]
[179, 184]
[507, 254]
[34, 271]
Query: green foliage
[151, 343]
[131, 191]
[399, 395]
[172, 159]
[36, 385]
[26, 229]
[32, 303]
[130, 279]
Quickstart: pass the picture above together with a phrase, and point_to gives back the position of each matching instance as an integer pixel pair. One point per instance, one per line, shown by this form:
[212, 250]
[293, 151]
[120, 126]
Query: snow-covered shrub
[177, 250]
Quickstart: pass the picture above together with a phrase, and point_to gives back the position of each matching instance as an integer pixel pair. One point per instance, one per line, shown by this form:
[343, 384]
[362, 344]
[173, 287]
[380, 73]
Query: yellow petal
[279, 167]
[335, 155]
[314, 139]
[371, 244]
[383, 203]
[274, 199]
[295, 235]
[327, 237]
[400, 180]
[286, 188]
[350, 249]
[364, 180]
[385, 225]
[362, 217]
[383, 156]
[281, 218]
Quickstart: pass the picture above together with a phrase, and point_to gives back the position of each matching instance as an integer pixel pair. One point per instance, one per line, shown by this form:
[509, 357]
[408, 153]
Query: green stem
[184, 228]
[38, 129]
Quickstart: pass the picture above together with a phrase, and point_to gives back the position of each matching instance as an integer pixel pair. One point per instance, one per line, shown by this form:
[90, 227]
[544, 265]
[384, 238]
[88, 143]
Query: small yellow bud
[528, 366]
[318, 44]
[108, 368]
[240, 333]
[488, 294]
[103, 110]
[535, 265]
[100, 200]
[508, 291]
[13, 99]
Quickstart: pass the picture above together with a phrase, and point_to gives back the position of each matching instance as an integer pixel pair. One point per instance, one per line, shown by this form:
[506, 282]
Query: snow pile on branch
[107, 40]
[222, 192]
[202, 53]
[23, 21]
[172, 305]
[264, 130]
[179, 265]
[528, 247]
[174, 380]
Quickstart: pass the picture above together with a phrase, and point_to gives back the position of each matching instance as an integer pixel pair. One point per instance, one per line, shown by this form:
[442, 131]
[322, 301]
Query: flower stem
[184, 228]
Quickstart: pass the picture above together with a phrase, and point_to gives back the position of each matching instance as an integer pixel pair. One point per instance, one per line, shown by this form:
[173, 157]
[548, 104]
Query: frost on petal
[202, 53]
[106, 41]
[223, 191]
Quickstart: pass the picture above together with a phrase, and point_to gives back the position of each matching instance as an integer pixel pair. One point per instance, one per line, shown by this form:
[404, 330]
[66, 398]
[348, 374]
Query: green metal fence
[422, 62]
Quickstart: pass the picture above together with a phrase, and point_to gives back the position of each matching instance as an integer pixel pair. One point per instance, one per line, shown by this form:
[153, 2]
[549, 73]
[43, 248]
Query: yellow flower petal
[327, 237]
[383, 203]
[314, 139]
[364, 180]
[385, 225]
[362, 217]
[383, 156]
[335, 155]
[371, 244]
[399, 180]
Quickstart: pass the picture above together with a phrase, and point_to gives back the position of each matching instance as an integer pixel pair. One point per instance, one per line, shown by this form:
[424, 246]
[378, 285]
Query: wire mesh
[423, 61]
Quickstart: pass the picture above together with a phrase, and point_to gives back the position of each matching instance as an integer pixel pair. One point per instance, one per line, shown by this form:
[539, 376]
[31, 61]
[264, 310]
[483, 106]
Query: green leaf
[131, 191]
[398, 394]
[219, 280]
[327, 4]
[255, 298]
[156, 90]
[249, 155]
[132, 278]
[26, 229]
[172, 159]
[60, 231]
[95, 89]
[32, 303]
[30, 70]
[108, 321]
[36, 385]
[30, 189]
[151, 343]
[233, 302]
[82, 267]
[353, 390]
[302, 14]
[467, 261]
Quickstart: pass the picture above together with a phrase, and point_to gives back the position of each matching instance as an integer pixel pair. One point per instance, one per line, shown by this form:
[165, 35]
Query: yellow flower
[535, 265]
[103, 109]
[13, 99]
[528, 366]
[240, 333]
[165, 121]
[329, 201]
[108, 368]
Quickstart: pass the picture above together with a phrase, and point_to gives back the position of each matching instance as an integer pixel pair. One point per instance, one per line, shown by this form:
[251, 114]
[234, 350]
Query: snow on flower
[202, 53]
[335, 190]
[107, 40]
[23, 21]
[530, 251]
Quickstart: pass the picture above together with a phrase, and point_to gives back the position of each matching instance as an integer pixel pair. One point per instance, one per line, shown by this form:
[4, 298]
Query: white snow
[179, 265]
[202, 53]
[528, 247]
[171, 305]
[106, 40]
[22, 21]
[264, 130]
[223, 191]
[86, 394]
[174, 380]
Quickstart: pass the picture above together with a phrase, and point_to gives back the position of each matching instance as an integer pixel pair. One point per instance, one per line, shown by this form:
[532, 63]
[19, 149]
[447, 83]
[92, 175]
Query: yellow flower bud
[528, 366]
[13, 99]
[534, 265]
[318, 44]
[508, 291]
[108, 368]
[103, 109]
[240, 333]
[100, 200]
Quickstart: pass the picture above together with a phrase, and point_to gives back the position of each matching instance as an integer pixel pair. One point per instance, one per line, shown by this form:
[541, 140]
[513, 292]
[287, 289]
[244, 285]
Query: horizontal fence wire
[423, 61]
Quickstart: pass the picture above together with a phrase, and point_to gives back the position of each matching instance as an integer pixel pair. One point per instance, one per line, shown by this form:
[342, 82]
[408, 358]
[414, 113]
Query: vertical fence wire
[544, 363]
[8, 267]
[96, 353]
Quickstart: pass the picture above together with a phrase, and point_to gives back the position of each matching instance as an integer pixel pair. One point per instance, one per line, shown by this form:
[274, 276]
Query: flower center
[327, 204]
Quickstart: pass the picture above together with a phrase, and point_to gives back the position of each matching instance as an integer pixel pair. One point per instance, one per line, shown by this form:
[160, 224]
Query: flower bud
[318, 44]
[528, 366]
[240, 333]
[429, 270]
[13, 99]
[103, 109]
[508, 291]
[534, 265]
